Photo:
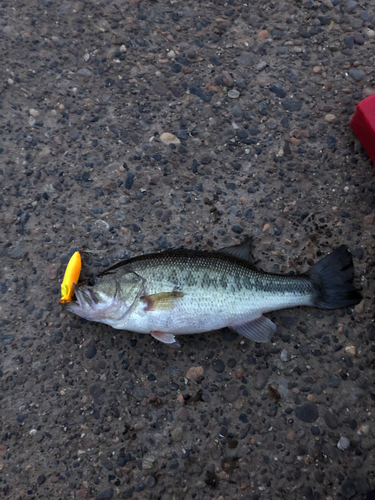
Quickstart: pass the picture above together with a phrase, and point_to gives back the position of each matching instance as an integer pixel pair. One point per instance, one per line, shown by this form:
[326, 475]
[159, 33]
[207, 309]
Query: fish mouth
[85, 300]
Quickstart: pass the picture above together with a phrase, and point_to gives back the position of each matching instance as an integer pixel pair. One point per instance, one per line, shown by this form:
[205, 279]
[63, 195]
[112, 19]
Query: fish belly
[202, 313]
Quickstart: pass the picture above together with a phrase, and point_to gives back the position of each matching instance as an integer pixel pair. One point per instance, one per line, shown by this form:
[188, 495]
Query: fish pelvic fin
[332, 278]
[166, 338]
[161, 301]
[260, 329]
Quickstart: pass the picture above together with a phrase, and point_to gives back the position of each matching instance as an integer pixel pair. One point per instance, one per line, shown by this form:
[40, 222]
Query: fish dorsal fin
[241, 251]
[161, 301]
[258, 330]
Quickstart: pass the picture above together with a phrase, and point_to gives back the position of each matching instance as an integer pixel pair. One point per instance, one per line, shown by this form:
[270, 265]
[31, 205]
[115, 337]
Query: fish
[180, 291]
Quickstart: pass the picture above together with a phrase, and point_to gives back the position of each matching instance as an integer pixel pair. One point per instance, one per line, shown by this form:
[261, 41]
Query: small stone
[18, 251]
[227, 79]
[350, 6]
[284, 355]
[177, 434]
[277, 90]
[237, 229]
[291, 105]
[168, 138]
[348, 490]
[343, 443]
[150, 481]
[307, 413]
[369, 219]
[182, 414]
[357, 74]
[129, 180]
[359, 39]
[261, 65]
[91, 352]
[106, 494]
[330, 118]
[331, 141]
[84, 72]
[148, 462]
[261, 379]
[236, 111]
[34, 112]
[194, 372]
[233, 94]
[349, 41]
[351, 349]
[231, 393]
[218, 366]
[263, 35]
[331, 420]
[41, 479]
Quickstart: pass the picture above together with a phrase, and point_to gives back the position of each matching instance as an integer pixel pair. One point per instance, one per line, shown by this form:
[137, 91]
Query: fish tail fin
[332, 278]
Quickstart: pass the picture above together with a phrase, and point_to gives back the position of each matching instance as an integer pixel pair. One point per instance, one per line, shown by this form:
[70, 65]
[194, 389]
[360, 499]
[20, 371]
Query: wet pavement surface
[134, 126]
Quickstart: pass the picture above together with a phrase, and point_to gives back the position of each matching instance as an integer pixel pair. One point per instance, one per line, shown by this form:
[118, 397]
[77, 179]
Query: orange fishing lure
[71, 276]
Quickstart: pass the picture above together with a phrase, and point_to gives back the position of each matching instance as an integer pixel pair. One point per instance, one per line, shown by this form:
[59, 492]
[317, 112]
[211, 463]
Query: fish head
[109, 300]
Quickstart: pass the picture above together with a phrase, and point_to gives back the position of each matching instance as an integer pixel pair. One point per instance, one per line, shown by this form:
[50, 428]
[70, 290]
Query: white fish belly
[202, 313]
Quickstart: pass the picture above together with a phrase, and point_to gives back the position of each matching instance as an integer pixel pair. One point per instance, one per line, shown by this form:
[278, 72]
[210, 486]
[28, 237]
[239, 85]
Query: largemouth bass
[179, 292]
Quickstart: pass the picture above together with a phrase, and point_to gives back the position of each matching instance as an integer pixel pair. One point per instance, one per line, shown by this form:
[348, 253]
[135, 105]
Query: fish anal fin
[259, 330]
[161, 301]
[166, 338]
[241, 251]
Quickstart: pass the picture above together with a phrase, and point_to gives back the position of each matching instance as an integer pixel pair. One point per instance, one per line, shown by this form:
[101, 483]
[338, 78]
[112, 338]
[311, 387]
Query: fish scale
[182, 291]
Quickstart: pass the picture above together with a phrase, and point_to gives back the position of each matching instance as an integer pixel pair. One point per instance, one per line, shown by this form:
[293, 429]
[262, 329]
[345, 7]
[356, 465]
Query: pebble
[85, 72]
[277, 90]
[236, 111]
[307, 413]
[194, 372]
[227, 79]
[150, 481]
[261, 65]
[41, 479]
[357, 74]
[218, 366]
[177, 434]
[106, 494]
[168, 138]
[18, 251]
[263, 35]
[343, 443]
[331, 420]
[330, 118]
[348, 490]
[359, 39]
[291, 105]
[231, 393]
[284, 355]
[91, 351]
[261, 379]
[350, 6]
[182, 414]
[233, 94]
[129, 180]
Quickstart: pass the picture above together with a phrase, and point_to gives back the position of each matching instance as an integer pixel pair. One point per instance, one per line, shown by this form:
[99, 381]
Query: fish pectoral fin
[241, 251]
[166, 338]
[258, 330]
[161, 301]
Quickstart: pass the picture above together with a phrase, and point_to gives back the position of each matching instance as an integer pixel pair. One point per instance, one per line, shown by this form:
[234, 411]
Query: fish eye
[93, 280]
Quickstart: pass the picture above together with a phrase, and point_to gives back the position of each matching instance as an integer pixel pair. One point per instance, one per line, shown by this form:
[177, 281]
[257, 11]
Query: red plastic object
[363, 125]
